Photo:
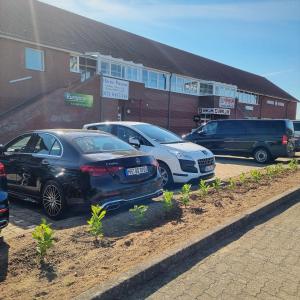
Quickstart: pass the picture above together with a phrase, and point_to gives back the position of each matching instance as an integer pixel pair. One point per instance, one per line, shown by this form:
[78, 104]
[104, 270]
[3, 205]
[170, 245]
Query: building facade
[64, 70]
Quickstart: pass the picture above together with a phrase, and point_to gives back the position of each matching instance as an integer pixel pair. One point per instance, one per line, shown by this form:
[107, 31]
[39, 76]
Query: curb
[147, 271]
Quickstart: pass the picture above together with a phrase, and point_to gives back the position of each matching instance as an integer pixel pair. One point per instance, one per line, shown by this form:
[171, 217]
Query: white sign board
[215, 111]
[226, 102]
[115, 88]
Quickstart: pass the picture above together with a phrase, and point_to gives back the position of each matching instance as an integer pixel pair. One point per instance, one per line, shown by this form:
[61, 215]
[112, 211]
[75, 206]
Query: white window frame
[42, 69]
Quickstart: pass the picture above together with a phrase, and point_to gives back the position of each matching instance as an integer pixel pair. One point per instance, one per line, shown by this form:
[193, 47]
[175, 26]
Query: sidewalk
[262, 264]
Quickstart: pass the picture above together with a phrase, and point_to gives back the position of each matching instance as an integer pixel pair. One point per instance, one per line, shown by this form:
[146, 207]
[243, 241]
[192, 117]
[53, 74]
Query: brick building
[52, 61]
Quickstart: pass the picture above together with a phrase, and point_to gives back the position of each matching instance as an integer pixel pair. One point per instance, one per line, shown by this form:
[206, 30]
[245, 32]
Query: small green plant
[232, 183]
[279, 168]
[43, 234]
[293, 164]
[185, 194]
[270, 172]
[243, 178]
[217, 184]
[168, 201]
[204, 187]
[139, 212]
[95, 222]
[256, 175]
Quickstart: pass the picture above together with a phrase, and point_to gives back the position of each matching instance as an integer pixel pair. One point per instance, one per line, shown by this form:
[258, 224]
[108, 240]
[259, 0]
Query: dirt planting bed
[76, 264]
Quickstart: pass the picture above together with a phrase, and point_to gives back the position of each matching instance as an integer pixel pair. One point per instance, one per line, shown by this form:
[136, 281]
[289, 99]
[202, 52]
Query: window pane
[19, 145]
[116, 70]
[34, 59]
[74, 63]
[44, 144]
[152, 79]
[105, 67]
[145, 77]
[56, 149]
[162, 81]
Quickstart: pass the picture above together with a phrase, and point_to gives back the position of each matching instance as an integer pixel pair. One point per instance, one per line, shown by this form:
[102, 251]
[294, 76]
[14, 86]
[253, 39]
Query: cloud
[164, 11]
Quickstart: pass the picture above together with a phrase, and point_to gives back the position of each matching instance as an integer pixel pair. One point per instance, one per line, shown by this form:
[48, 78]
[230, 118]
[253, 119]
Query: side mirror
[134, 142]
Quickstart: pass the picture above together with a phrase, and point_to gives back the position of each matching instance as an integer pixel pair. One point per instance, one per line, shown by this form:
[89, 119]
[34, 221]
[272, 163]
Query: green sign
[79, 99]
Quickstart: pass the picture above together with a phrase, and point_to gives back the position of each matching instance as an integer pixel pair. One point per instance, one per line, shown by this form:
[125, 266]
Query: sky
[259, 36]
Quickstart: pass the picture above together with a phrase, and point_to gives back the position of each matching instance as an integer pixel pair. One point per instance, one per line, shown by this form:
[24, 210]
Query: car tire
[167, 178]
[53, 200]
[262, 155]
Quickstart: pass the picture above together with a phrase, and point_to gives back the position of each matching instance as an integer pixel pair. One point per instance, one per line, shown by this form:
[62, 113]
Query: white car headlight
[180, 155]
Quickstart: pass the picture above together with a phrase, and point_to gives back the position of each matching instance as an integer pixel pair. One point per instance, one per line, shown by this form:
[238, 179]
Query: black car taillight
[2, 170]
[99, 170]
[284, 140]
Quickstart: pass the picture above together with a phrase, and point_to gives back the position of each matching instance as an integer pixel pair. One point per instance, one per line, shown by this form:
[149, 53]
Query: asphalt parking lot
[25, 216]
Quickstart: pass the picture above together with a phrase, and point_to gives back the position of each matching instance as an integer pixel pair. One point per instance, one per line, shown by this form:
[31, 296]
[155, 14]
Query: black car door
[41, 163]
[15, 152]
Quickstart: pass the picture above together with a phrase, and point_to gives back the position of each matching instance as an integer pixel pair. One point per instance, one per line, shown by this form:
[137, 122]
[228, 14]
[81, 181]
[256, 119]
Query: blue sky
[259, 36]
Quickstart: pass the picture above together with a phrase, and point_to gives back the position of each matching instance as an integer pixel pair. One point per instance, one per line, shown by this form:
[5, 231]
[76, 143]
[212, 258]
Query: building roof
[34, 21]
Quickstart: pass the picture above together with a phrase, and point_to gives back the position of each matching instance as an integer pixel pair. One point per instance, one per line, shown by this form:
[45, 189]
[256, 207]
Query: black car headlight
[188, 166]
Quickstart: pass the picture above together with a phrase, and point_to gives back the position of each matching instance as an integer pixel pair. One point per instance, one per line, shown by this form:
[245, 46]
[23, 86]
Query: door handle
[45, 162]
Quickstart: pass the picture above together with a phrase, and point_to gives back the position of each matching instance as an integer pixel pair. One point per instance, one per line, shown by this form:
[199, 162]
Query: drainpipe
[169, 101]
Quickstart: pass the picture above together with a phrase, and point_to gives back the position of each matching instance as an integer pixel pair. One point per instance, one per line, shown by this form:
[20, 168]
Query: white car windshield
[159, 134]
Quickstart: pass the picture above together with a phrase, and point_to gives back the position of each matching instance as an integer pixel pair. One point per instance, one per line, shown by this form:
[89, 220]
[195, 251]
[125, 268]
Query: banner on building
[115, 88]
[79, 99]
[226, 102]
[214, 111]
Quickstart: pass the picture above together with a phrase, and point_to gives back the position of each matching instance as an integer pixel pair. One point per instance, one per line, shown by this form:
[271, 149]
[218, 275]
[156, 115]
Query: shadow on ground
[144, 291]
[4, 250]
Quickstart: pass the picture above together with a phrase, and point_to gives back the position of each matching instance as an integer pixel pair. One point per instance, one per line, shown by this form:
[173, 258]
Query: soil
[76, 263]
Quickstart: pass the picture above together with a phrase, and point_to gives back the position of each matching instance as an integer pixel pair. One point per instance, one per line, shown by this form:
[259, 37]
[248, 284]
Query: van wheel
[166, 175]
[53, 200]
[262, 155]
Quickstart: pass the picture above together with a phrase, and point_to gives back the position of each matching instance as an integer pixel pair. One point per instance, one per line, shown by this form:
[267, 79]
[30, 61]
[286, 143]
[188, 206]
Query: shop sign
[215, 111]
[249, 107]
[115, 88]
[79, 99]
[226, 102]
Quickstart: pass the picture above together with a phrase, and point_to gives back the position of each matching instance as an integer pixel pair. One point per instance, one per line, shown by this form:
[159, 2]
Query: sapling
[243, 178]
[279, 168]
[168, 201]
[95, 222]
[256, 175]
[185, 194]
[293, 164]
[232, 183]
[270, 171]
[43, 234]
[139, 212]
[204, 187]
[217, 184]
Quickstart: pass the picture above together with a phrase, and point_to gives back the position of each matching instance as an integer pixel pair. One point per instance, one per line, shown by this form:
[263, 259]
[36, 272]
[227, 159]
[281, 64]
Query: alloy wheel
[261, 155]
[52, 200]
[164, 175]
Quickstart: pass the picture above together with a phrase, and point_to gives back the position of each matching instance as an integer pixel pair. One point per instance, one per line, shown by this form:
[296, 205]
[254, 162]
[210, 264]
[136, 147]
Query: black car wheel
[53, 200]
[166, 175]
[262, 155]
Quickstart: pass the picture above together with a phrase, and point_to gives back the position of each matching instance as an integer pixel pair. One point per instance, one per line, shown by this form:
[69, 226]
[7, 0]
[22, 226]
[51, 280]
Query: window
[74, 63]
[102, 127]
[152, 83]
[162, 81]
[206, 89]
[47, 144]
[125, 133]
[131, 73]
[34, 59]
[247, 98]
[105, 68]
[190, 87]
[87, 67]
[210, 128]
[145, 77]
[116, 70]
[19, 145]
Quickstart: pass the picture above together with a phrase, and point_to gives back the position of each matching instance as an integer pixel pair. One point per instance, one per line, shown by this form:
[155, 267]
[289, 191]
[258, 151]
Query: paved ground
[264, 263]
[25, 216]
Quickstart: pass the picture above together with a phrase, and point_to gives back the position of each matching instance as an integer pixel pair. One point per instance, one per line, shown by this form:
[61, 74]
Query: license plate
[136, 171]
[209, 168]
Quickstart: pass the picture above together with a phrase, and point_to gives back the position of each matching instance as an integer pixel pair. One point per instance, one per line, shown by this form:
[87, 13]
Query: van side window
[231, 128]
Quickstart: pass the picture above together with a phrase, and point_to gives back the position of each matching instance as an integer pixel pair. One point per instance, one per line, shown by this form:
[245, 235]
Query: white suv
[179, 161]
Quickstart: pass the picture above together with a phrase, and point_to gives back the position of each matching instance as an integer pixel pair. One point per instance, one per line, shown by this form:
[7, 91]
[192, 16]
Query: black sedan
[56, 167]
[4, 210]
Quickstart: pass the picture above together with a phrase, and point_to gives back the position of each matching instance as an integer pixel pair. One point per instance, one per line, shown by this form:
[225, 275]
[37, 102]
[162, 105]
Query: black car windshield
[159, 134]
[100, 143]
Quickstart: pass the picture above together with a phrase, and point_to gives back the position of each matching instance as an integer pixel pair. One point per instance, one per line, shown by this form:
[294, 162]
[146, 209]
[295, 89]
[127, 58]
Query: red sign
[226, 102]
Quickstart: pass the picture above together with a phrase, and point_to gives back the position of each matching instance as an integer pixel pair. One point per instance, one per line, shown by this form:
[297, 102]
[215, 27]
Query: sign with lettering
[215, 111]
[79, 99]
[226, 102]
[115, 88]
